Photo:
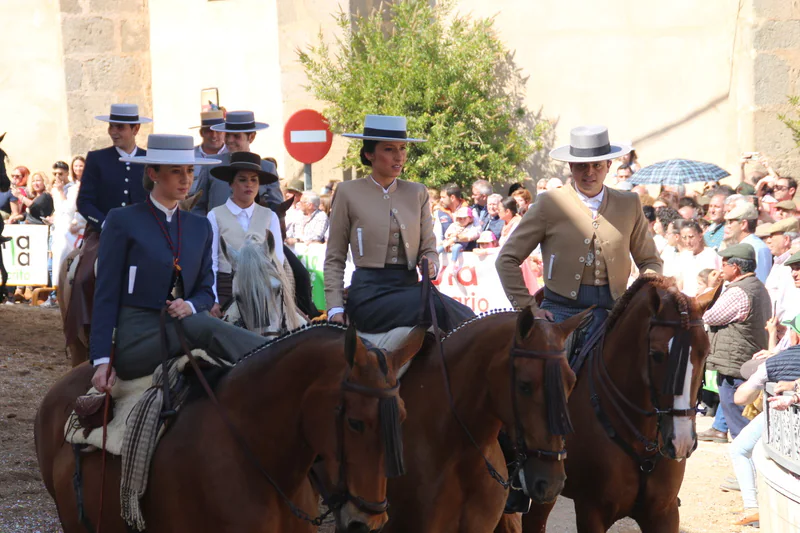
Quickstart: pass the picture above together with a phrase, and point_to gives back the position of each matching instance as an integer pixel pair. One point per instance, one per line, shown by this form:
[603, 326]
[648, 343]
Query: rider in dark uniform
[153, 255]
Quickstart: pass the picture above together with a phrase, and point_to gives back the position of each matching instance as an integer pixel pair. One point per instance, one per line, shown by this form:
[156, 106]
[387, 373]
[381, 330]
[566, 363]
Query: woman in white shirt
[240, 218]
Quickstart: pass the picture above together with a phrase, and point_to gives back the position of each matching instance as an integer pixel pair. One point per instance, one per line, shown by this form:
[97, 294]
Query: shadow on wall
[533, 126]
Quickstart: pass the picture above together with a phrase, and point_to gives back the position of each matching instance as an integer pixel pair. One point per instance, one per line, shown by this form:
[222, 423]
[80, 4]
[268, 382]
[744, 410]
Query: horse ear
[571, 324]
[350, 345]
[3, 136]
[409, 349]
[269, 244]
[707, 299]
[524, 324]
[231, 255]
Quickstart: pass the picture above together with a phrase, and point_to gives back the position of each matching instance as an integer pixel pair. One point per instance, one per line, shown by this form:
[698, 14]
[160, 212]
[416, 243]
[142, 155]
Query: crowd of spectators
[45, 198]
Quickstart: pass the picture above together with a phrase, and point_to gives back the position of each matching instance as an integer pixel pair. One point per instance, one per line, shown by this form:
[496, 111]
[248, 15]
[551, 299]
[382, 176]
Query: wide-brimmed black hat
[267, 173]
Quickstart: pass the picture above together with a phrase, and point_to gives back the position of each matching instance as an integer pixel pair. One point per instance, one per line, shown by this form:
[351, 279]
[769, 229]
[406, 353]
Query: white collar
[597, 199]
[168, 212]
[235, 209]
[205, 155]
[386, 190]
[123, 153]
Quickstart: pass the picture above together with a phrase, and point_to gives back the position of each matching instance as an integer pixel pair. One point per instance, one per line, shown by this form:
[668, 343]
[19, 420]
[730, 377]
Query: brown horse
[314, 392]
[493, 362]
[78, 349]
[634, 412]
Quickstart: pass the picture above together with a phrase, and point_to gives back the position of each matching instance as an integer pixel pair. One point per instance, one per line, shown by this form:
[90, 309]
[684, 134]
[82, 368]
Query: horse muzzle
[351, 519]
[542, 487]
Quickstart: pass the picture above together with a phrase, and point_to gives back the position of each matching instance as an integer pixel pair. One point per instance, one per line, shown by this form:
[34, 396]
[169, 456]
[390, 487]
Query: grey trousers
[139, 351]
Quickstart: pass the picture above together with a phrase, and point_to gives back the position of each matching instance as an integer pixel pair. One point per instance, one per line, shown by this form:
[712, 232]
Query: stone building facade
[701, 80]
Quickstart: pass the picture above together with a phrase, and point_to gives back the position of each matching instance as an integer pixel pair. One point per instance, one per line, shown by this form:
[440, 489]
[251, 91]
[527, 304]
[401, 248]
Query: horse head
[674, 348]
[366, 446]
[263, 294]
[5, 183]
[537, 416]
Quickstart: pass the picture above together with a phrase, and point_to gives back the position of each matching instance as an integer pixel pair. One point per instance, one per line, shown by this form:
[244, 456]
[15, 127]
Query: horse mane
[659, 282]
[289, 334]
[475, 319]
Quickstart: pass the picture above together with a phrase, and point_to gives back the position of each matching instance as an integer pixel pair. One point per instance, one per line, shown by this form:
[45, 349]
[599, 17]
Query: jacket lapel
[573, 194]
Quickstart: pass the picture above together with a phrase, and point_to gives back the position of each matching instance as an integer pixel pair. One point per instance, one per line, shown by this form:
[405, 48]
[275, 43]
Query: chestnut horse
[316, 392]
[504, 369]
[634, 412]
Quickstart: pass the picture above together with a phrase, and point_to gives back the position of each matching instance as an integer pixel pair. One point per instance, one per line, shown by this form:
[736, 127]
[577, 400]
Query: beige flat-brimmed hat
[210, 118]
[588, 144]
[124, 114]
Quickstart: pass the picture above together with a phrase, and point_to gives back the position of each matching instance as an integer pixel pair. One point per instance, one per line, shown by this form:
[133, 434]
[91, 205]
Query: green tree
[450, 75]
[791, 123]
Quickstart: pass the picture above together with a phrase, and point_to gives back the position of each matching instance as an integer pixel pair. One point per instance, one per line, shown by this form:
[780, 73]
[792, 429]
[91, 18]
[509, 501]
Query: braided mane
[659, 282]
[477, 318]
[292, 333]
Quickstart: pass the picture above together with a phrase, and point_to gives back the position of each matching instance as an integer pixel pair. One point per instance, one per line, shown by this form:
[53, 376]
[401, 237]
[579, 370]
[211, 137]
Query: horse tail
[252, 275]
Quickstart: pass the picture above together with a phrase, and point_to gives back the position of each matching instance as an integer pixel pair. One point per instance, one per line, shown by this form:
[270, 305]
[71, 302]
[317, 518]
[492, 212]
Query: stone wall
[106, 54]
[776, 74]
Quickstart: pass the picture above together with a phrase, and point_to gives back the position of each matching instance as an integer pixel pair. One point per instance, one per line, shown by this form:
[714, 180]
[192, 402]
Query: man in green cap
[737, 321]
[785, 209]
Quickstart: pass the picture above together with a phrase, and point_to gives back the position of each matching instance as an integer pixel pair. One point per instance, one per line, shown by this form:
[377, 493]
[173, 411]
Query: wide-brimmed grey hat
[384, 128]
[240, 122]
[164, 149]
[588, 144]
[247, 161]
[124, 114]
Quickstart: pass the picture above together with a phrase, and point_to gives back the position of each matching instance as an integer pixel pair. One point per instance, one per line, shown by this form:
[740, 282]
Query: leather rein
[342, 495]
[599, 375]
[521, 451]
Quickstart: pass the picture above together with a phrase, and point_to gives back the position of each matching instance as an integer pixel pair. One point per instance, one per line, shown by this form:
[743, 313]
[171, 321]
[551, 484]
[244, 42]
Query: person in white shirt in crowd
[740, 226]
[688, 208]
[240, 219]
[665, 240]
[693, 258]
[314, 223]
[779, 284]
[508, 214]
[294, 215]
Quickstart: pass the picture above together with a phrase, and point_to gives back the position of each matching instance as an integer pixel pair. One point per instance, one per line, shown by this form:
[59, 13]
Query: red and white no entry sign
[307, 136]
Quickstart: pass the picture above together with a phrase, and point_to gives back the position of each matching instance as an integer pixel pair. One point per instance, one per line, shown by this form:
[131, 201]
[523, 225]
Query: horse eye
[356, 425]
[525, 388]
[658, 356]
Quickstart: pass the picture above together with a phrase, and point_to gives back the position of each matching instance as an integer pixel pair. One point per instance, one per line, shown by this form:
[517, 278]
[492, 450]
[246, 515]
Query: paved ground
[32, 358]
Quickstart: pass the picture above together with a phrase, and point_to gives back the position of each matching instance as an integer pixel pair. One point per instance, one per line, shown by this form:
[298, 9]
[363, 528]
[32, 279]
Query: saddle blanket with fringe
[136, 428]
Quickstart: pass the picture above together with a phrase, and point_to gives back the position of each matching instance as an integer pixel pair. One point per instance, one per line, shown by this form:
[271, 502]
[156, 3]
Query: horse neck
[470, 358]
[263, 396]
[628, 367]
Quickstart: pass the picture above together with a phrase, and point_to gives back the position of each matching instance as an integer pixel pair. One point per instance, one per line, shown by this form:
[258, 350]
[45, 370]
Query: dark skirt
[224, 289]
[381, 299]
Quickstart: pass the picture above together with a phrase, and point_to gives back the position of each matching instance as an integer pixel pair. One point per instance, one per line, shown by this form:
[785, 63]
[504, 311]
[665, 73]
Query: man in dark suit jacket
[240, 130]
[107, 183]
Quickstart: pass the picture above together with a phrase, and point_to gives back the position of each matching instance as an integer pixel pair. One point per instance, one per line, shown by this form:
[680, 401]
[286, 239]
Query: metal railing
[781, 436]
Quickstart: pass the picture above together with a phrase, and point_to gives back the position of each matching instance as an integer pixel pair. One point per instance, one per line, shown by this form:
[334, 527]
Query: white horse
[263, 290]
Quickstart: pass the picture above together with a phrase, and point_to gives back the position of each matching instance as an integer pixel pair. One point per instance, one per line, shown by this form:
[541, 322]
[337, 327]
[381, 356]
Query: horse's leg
[590, 518]
[666, 521]
[535, 521]
[509, 523]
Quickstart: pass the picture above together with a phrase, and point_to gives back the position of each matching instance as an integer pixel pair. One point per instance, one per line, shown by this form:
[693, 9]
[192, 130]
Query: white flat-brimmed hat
[588, 144]
[384, 128]
[210, 118]
[124, 114]
[240, 122]
[164, 149]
